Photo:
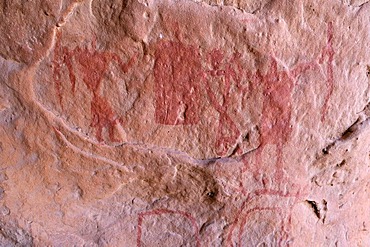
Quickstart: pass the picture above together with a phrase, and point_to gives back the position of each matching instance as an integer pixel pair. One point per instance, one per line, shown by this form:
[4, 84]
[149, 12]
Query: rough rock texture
[184, 123]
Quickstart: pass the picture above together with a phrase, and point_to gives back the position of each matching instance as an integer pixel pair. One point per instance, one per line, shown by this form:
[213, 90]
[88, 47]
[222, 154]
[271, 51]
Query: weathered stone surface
[184, 123]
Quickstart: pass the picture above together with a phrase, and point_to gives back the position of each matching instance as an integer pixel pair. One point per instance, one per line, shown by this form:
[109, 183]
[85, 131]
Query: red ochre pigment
[93, 65]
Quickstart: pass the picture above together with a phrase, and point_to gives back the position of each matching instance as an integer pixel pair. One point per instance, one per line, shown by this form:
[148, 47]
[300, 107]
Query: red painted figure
[228, 74]
[92, 65]
[277, 86]
[177, 73]
[276, 113]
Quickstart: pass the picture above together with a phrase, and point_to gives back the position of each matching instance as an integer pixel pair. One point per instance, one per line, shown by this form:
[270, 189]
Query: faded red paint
[174, 77]
[226, 73]
[177, 73]
[186, 215]
[241, 219]
[277, 86]
[93, 66]
[179, 70]
[244, 222]
[276, 113]
[275, 129]
[103, 116]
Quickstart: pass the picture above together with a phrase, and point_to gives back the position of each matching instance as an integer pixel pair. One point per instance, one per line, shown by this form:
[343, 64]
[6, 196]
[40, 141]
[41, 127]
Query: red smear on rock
[103, 116]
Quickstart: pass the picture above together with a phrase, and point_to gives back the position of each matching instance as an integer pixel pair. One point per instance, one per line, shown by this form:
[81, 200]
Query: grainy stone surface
[184, 123]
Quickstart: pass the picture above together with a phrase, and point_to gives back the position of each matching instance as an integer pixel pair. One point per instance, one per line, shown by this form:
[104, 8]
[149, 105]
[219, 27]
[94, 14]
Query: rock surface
[184, 123]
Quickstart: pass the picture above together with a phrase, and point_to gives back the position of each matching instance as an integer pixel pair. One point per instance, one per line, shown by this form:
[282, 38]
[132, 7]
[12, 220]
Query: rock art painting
[184, 84]
[277, 87]
[184, 123]
[92, 65]
[177, 84]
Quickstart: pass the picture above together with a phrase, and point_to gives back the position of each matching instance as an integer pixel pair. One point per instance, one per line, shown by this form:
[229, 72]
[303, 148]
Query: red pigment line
[139, 230]
[276, 112]
[248, 20]
[245, 204]
[275, 126]
[234, 225]
[287, 225]
[224, 120]
[167, 211]
[244, 221]
[329, 52]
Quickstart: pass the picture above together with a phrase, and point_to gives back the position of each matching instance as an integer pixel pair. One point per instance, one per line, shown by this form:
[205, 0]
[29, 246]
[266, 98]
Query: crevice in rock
[319, 209]
[349, 132]
[326, 149]
[204, 226]
[315, 208]
[363, 4]
[342, 163]
[353, 131]
[325, 208]
[234, 150]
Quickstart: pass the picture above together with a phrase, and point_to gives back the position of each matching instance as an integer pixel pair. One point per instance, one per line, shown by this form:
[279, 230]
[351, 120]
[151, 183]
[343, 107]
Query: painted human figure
[177, 71]
[93, 66]
[276, 86]
[276, 112]
[229, 75]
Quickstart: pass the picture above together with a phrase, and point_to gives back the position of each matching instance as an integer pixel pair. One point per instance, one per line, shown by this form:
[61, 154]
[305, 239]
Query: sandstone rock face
[184, 123]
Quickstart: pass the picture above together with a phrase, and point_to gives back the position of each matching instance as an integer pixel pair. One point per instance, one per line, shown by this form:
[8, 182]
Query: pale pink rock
[184, 123]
